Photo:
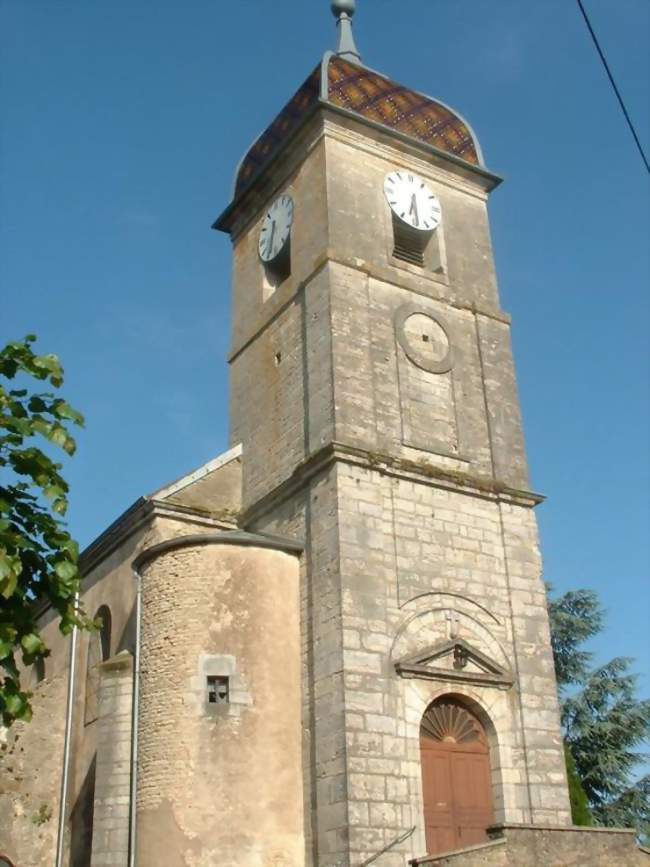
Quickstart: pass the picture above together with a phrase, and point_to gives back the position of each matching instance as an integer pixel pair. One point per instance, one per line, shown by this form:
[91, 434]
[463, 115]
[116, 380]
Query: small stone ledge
[502, 829]
[123, 661]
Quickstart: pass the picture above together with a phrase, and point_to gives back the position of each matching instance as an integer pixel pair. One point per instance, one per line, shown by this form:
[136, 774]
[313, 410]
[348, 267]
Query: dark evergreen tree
[580, 812]
[604, 722]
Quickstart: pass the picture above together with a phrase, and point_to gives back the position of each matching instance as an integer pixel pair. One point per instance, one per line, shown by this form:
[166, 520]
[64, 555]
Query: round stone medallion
[424, 339]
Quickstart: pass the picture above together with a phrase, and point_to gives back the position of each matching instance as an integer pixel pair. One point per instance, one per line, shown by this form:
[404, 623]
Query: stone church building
[329, 646]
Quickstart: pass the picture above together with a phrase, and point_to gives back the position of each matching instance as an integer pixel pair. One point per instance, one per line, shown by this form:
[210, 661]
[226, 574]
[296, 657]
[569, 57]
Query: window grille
[410, 244]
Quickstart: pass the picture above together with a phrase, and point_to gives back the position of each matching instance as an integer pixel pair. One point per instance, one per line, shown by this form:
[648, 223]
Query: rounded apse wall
[220, 770]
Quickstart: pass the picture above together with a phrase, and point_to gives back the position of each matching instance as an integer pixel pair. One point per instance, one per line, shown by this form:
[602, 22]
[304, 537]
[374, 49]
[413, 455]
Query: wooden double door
[456, 778]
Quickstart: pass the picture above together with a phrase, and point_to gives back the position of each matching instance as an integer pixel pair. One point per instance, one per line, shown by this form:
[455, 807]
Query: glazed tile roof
[369, 95]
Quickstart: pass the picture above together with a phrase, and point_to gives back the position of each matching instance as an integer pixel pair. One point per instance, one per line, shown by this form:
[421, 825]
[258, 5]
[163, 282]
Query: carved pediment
[454, 660]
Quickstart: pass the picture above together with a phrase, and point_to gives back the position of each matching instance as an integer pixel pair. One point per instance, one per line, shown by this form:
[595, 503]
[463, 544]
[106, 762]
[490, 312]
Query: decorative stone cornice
[422, 472]
[140, 514]
[422, 666]
[384, 274]
[239, 538]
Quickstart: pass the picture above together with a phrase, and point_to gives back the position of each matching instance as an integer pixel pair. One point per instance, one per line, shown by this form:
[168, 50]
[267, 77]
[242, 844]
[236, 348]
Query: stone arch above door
[448, 643]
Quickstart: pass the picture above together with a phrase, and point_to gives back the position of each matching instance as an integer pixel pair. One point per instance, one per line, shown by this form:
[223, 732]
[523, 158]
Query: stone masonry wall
[282, 391]
[414, 559]
[31, 755]
[31, 759]
[312, 517]
[411, 556]
[110, 839]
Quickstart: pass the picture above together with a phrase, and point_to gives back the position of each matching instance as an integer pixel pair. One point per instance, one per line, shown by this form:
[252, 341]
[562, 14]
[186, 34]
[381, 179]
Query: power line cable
[613, 83]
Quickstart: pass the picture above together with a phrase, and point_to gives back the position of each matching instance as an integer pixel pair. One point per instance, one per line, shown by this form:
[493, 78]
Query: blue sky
[122, 124]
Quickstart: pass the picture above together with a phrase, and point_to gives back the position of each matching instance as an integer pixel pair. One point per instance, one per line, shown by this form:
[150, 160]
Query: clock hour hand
[414, 209]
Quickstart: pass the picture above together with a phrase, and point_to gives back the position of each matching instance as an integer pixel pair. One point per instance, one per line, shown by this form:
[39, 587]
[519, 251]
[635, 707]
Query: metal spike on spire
[343, 10]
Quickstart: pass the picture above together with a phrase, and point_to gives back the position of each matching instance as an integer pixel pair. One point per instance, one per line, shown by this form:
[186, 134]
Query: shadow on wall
[81, 821]
[127, 639]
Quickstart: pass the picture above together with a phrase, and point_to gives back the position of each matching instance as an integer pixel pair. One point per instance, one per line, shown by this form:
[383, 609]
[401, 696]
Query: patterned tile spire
[344, 10]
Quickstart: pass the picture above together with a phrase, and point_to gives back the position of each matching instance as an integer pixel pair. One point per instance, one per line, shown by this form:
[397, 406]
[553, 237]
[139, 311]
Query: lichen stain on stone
[223, 619]
[206, 858]
[169, 844]
[278, 859]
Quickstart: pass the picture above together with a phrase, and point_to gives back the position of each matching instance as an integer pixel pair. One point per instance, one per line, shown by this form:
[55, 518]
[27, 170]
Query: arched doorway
[456, 778]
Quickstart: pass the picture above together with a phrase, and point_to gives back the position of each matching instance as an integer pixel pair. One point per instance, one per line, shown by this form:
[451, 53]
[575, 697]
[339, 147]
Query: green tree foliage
[604, 721]
[38, 558]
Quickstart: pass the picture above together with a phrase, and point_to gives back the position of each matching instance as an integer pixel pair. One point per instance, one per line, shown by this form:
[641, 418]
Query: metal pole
[63, 802]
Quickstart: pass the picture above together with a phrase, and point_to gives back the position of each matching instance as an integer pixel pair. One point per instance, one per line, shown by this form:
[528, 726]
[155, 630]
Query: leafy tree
[38, 558]
[604, 722]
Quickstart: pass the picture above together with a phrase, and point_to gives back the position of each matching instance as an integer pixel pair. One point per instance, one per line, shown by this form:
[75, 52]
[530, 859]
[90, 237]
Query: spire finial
[344, 10]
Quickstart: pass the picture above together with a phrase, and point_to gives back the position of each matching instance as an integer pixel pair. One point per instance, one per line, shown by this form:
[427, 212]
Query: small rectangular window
[218, 690]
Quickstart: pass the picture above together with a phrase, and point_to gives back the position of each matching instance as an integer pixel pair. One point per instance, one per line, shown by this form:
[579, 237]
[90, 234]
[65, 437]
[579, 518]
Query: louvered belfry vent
[409, 243]
[451, 723]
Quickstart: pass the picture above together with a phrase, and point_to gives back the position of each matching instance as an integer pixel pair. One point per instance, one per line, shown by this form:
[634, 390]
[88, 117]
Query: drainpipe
[135, 718]
[63, 801]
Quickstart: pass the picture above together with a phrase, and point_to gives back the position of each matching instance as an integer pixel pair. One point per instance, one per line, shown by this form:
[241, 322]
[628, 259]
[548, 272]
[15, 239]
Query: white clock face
[276, 229]
[412, 201]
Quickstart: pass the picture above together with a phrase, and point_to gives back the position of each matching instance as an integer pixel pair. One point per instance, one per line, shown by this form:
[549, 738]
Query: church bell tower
[373, 392]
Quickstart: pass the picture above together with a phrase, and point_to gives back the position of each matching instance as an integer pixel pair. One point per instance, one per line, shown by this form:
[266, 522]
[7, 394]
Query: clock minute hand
[414, 209]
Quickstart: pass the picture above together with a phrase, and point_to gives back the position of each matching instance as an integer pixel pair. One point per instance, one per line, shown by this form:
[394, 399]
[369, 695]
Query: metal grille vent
[409, 243]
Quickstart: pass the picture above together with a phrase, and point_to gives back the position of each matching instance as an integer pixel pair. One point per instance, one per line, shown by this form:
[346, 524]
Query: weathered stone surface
[222, 783]
[540, 846]
[110, 829]
[31, 756]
